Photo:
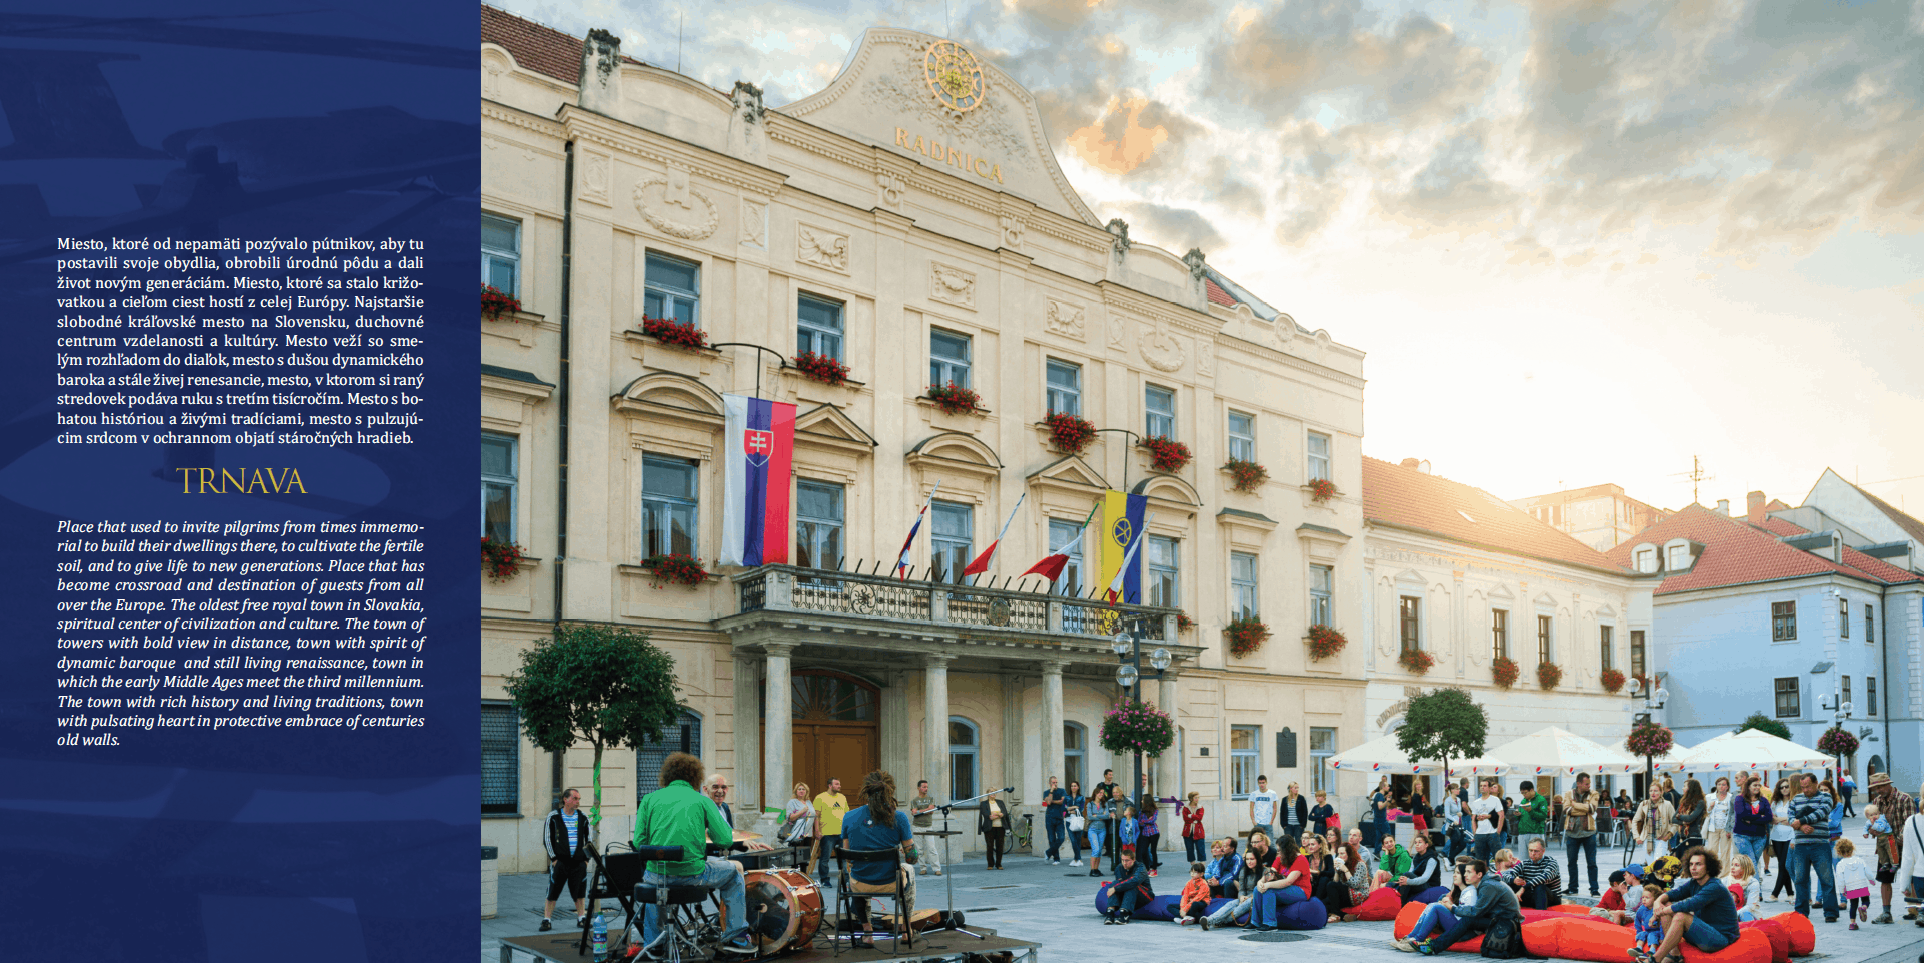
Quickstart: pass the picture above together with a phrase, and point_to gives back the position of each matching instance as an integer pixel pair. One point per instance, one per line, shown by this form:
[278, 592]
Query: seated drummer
[878, 825]
[677, 815]
[717, 789]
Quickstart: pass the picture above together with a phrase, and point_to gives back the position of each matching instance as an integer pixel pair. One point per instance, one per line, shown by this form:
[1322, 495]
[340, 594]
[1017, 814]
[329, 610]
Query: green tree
[1443, 724]
[604, 684]
[1764, 723]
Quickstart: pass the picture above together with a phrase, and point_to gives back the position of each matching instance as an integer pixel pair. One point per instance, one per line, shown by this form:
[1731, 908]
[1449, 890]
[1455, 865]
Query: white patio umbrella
[1559, 752]
[1751, 750]
[1382, 755]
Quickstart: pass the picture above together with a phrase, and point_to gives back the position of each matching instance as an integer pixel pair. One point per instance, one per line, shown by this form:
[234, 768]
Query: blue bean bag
[1161, 909]
[1306, 915]
[1430, 895]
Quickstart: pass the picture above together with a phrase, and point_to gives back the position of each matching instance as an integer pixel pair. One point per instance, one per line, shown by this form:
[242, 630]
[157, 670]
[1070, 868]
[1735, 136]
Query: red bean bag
[1751, 947]
[1803, 938]
[1406, 921]
[1574, 909]
[1382, 905]
[1573, 938]
[1775, 932]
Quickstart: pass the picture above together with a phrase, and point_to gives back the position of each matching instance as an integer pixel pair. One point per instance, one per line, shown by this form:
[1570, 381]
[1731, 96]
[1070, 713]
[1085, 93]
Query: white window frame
[1404, 640]
[942, 547]
[1061, 532]
[1499, 633]
[969, 755]
[1245, 764]
[1647, 559]
[1607, 642]
[1059, 398]
[693, 503]
[1322, 599]
[1173, 597]
[818, 337]
[510, 257]
[811, 530]
[1242, 444]
[1676, 557]
[944, 370]
[1244, 592]
[1317, 465]
[1159, 412]
[1546, 637]
[1321, 778]
[509, 482]
[1072, 733]
[671, 297]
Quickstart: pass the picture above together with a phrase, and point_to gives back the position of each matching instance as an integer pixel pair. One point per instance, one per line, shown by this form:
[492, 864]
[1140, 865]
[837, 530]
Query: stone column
[778, 712]
[747, 739]
[935, 726]
[1052, 749]
[1168, 778]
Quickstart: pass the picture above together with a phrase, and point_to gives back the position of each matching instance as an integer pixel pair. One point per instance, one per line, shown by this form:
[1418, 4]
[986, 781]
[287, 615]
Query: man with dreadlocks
[878, 825]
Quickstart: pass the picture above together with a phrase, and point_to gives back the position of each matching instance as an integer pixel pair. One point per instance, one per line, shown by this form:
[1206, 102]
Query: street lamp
[1127, 645]
[1654, 696]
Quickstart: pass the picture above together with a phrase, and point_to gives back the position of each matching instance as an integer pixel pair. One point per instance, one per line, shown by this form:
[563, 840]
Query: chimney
[1723, 506]
[1408, 463]
[1755, 502]
[600, 84]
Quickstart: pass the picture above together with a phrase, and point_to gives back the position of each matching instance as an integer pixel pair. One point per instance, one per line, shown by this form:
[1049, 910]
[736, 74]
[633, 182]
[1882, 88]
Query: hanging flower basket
[1133, 727]
[677, 568]
[1416, 660]
[500, 559]
[1070, 434]
[1649, 739]
[822, 368]
[1325, 642]
[1836, 742]
[1166, 454]
[671, 332]
[494, 303]
[1321, 490]
[954, 399]
[1248, 475]
[1548, 675]
[1245, 635]
[1183, 622]
[1613, 681]
[1504, 670]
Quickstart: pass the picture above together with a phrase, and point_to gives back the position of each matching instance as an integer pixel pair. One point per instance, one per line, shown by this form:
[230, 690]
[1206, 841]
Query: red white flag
[902, 561]
[1052, 566]
[982, 561]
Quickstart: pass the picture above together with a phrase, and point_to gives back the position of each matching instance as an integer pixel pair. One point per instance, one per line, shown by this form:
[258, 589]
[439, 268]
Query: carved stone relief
[1118, 333]
[1012, 228]
[993, 128]
[1205, 358]
[822, 248]
[595, 172]
[676, 207]
[754, 223]
[889, 190]
[747, 127]
[1064, 319]
[951, 285]
[1162, 350]
[491, 78]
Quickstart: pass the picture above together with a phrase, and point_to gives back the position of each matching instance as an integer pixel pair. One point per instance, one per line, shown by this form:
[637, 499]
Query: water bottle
[601, 938]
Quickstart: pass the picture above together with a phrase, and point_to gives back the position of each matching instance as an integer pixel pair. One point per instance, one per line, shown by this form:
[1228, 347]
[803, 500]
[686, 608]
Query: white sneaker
[1075, 862]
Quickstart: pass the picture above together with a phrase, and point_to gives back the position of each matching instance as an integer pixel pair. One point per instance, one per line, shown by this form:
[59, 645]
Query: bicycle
[1021, 836]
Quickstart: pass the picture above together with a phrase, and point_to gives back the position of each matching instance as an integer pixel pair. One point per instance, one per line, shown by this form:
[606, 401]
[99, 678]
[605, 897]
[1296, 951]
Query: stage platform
[948, 946]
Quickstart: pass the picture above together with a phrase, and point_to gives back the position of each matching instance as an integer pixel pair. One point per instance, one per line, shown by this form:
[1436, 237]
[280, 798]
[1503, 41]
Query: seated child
[1194, 902]
[1649, 930]
[1744, 885]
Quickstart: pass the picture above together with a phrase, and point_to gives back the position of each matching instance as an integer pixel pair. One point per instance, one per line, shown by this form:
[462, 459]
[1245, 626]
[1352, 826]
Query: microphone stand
[949, 876]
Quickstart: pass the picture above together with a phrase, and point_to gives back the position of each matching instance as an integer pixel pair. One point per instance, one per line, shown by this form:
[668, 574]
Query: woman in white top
[1719, 819]
[798, 828]
[1780, 836]
[1913, 865]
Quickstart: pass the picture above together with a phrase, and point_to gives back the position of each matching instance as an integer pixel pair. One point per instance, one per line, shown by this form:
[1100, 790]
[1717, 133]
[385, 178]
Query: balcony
[785, 603]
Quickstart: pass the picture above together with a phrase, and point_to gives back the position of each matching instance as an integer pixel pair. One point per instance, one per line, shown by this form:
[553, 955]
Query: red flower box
[1245, 635]
[1325, 642]
[1166, 454]
[1504, 670]
[1548, 675]
[1248, 475]
[822, 368]
[1416, 660]
[677, 568]
[954, 398]
[1322, 490]
[676, 333]
[1070, 434]
[494, 303]
[500, 559]
[1613, 681]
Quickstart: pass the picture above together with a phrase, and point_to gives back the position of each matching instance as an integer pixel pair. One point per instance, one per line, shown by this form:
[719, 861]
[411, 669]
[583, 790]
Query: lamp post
[1127, 645]
[1654, 696]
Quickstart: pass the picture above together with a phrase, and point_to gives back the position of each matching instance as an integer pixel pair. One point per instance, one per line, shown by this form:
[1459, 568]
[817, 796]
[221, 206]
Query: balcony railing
[788, 588]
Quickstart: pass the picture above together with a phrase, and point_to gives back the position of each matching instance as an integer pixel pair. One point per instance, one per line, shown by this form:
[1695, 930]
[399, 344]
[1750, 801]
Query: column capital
[780, 650]
[1053, 667]
[936, 660]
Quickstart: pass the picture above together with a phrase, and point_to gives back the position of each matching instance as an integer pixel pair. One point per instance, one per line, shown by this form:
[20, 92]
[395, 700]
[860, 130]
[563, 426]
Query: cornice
[648, 144]
[1129, 299]
[516, 117]
[1285, 359]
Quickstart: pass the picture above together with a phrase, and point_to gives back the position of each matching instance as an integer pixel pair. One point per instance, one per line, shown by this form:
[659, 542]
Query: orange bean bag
[1406, 921]
[1603, 942]
[1751, 947]
[1803, 938]
[1382, 905]
[1775, 932]
[1575, 909]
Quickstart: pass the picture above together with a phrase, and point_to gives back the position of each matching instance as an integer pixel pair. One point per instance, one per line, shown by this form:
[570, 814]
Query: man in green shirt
[921, 816]
[677, 815]
[1532, 816]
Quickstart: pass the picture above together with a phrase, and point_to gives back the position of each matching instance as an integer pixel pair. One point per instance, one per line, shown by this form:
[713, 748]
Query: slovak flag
[902, 560]
[759, 445]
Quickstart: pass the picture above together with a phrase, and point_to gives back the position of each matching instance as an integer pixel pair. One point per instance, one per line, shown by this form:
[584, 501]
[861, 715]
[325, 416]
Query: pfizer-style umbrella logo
[1122, 531]
[756, 444]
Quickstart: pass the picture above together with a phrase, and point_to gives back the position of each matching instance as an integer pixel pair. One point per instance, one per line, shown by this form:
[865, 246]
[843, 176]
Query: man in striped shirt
[1538, 881]
[1896, 808]
[1810, 848]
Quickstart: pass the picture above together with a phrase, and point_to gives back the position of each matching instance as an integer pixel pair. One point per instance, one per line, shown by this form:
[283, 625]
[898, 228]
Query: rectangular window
[1061, 533]
[1160, 571]
[1409, 615]
[500, 759]
[1159, 407]
[1636, 654]
[1499, 633]
[1606, 639]
[1242, 585]
[1870, 695]
[1647, 560]
[1679, 557]
[952, 545]
[1322, 745]
[1242, 436]
[1789, 705]
[1318, 456]
[1322, 593]
[1847, 692]
[668, 506]
[818, 327]
[948, 358]
[1245, 749]
[1844, 618]
[1783, 621]
[1064, 388]
[1543, 639]
[497, 486]
[673, 290]
[1870, 624]
[501, 254]
[818, 524]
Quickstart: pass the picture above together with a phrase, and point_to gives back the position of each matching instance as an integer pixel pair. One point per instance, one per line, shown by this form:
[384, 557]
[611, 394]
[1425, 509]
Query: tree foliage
[1443, 724]
[1764, 723]
[605, 685]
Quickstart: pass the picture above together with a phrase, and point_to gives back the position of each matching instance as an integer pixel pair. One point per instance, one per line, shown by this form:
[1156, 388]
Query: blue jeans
[1808, 856]
[1098, 834]
[1231, 910]
[1435, 919]
[1487, 845]
[1753, 847]
[1270, 902]
[723, 876]
[825, 863]
[1058, 832]
[1705, 937]
[1586, 845]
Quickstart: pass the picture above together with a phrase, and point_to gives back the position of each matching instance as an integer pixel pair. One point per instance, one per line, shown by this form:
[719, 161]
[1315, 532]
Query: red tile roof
[1431, 503]
[1738, 553]
[536, 47]
[1217, 295]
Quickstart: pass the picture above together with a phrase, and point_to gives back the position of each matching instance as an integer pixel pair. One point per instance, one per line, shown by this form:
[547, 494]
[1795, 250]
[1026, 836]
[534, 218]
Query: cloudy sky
[1581, 241]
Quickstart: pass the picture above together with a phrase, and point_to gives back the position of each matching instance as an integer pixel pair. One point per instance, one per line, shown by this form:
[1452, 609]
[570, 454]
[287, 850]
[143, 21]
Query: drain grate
[1274, 937]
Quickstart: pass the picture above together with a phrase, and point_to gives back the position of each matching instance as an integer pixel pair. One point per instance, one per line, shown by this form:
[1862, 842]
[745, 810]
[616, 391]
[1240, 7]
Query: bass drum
[784, 909]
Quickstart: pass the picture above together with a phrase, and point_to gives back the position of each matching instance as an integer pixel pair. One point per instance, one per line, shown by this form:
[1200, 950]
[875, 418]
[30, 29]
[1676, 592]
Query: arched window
[965, 749]
[683, 736]
[1075, 755]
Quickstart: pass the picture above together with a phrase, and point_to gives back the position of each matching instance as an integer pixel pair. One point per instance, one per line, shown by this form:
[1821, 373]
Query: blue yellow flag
[1122, 521]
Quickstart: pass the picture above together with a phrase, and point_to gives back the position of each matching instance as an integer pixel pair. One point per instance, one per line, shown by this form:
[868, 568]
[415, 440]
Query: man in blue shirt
[1698, 910]
[1055, 820]
[1810, 848]
[875, 826]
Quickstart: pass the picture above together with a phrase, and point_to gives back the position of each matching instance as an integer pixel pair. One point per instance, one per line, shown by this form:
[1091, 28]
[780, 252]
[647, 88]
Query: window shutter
[1286, 749]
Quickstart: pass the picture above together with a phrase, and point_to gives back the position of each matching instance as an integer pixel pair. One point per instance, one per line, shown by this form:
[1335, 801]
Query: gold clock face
[955, 76]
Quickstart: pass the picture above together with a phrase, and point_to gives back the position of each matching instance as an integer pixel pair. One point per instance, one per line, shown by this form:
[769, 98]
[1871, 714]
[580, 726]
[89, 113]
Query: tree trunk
[594, 813]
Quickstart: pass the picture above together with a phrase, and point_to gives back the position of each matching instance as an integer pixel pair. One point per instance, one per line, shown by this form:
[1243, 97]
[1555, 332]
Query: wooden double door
[837, 735]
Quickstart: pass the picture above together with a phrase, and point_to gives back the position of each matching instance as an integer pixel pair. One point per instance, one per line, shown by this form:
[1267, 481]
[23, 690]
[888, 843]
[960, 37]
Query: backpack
[1504, 940]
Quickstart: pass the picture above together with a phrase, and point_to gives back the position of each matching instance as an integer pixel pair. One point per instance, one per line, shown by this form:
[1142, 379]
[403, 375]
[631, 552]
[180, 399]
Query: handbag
[1333, 822]
[1077, 823]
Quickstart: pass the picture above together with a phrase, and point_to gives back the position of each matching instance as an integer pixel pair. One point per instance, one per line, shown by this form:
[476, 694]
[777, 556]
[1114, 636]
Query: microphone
[1009, 789]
